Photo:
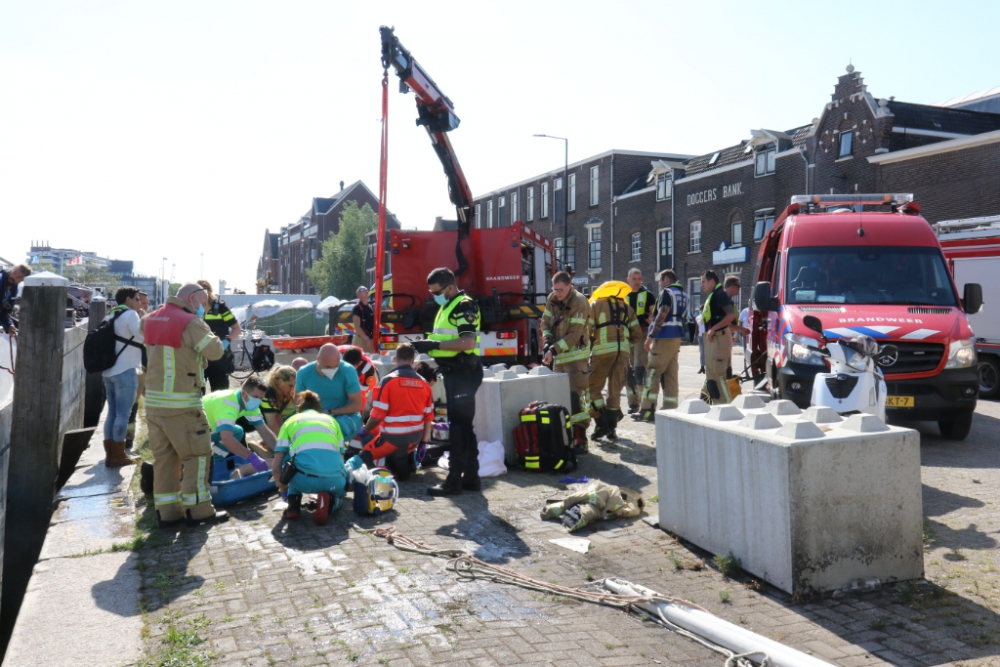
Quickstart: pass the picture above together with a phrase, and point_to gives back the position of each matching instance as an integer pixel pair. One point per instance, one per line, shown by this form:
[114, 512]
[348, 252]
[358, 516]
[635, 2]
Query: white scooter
[855, 382]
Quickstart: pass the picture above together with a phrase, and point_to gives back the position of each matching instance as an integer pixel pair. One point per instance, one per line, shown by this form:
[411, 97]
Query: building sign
[727, 255]
[581, 280]
[706, 196]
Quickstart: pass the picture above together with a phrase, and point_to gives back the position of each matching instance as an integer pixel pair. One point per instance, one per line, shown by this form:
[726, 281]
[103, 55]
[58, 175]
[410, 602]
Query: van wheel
[989, 377]
[956, 429]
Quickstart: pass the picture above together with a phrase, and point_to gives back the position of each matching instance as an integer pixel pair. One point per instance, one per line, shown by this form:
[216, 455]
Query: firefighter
[223, 324]
[616, 331]
[454, 345]
[177, 340]
[717, 315]
[663, 343]
[641, 301]
[403, 413]
[566, 330]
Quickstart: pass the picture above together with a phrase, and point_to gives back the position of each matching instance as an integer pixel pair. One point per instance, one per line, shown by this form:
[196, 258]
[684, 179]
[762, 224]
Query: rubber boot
[322, 512]
[471, 483]
[294, 508]
[115, 456]
[146, 478]
[580, 445]
[602, 425]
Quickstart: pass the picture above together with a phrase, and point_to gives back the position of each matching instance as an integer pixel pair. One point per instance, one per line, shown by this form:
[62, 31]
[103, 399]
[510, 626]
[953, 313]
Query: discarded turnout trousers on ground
[592, 504]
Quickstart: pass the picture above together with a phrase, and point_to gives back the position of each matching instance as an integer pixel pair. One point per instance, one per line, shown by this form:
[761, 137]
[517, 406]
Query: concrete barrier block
[724, 413]
[760, 421]
[499, 367]
[519, 369]
[487, 372]
[822, 415]
[540, 370]
[749, 402]
[864, 424]
[693, 406]
[783, 408]
[807, 513]
[501, 397]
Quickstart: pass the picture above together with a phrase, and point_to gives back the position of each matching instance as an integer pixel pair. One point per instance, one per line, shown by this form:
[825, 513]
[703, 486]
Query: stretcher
[226, 492]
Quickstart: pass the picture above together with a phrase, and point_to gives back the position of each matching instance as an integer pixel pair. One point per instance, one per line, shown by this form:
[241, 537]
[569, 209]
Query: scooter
[855, 382]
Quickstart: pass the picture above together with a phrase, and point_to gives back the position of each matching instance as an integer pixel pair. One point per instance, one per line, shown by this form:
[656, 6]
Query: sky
[184, 130]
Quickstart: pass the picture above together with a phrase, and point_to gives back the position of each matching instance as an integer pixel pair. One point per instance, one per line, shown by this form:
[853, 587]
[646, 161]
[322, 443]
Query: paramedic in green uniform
[223, 408]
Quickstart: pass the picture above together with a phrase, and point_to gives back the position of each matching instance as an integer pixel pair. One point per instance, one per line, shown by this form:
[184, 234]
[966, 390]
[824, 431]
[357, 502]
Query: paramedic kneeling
[403, 411]
[223, 409]
[309, 458]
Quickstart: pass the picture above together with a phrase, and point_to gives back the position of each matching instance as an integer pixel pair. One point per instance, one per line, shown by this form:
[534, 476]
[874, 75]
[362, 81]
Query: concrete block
[783, 408]
[502, 397]
[748, 402]
[822, 415]
[693, 406]
[487, 372]
[540, 370]
[499, 367]
[807, 508]
[519, 369]
[723, 413]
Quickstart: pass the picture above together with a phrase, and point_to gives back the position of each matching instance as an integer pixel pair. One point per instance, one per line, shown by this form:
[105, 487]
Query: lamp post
[565, 189]
[163, 293]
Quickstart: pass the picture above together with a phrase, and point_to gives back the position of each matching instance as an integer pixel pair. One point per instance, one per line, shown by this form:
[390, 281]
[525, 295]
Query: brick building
[268, 275]
[301, 243]
[712, 210]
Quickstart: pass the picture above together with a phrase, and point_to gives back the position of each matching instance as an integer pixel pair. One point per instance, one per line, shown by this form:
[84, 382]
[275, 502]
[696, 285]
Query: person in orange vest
[362, 363]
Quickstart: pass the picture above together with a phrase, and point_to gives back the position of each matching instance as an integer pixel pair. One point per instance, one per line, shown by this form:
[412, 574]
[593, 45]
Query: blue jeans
[701, 349]
[121, 390]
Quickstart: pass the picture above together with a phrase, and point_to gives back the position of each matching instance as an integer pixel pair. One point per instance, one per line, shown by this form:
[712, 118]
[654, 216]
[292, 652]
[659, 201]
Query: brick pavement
[261, 591]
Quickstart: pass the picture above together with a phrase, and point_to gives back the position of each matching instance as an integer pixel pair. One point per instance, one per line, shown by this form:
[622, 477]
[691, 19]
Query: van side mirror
[812, 322]
[973, 301]
[762, 299]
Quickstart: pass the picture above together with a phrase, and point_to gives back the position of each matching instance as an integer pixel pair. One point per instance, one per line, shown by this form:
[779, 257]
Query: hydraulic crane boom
[437, 114]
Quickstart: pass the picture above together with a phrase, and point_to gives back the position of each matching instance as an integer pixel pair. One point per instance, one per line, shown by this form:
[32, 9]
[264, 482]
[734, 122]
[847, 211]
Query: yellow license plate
[390, 346]
[899, 401]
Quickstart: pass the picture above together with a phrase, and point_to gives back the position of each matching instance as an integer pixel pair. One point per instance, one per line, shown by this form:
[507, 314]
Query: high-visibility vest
[445, 329]
[706, 314]
[311, 430]
[223, 408]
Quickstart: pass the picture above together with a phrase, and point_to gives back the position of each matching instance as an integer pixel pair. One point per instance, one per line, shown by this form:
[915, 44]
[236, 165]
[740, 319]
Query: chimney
[341, 186]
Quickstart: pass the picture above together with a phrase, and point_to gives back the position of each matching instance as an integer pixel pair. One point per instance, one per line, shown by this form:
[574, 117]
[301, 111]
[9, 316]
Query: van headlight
[962, 353]
[801, 350]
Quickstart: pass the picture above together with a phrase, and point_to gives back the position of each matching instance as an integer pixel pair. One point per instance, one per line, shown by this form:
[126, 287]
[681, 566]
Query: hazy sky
[143, 130]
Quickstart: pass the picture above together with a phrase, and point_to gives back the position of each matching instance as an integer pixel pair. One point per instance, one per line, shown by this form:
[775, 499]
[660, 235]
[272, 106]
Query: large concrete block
[805, 503]
[501, 397]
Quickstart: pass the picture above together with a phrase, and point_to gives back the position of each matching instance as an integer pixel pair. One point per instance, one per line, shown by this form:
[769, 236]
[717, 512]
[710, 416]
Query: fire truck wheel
[989, 377]
[956, 429]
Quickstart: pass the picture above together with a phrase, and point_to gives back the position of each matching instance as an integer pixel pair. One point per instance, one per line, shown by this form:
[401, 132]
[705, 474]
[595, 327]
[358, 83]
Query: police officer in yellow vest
[642, 303]
[223, 324]
[566, 330]
[616, 332]
[178, 340]
[454, 345]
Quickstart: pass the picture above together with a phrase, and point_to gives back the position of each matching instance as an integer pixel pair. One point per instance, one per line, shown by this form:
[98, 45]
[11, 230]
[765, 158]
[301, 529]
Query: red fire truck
[876, 272]
[504, 269]
[972, 247]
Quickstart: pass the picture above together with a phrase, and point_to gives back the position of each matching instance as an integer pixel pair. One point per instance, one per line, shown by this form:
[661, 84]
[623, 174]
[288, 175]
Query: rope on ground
[467, 566]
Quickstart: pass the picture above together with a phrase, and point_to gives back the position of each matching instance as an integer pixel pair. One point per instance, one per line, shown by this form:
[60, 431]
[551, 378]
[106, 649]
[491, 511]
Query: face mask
[201, 311]
[440, 299]
[330, 372]
[252, 404]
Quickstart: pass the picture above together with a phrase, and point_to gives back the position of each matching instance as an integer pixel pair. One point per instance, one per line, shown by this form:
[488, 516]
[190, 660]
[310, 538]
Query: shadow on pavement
[497, 539]
[162, 562]
[938, 502]
[981, 449]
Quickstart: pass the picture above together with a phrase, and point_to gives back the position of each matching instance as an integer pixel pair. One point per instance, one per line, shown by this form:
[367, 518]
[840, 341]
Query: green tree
[173, 289]
[342, 266]
[93, 275]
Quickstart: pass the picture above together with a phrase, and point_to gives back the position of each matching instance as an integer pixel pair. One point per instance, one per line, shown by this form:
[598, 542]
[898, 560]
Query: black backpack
[262, 358]
[542, 440]
[99, 347]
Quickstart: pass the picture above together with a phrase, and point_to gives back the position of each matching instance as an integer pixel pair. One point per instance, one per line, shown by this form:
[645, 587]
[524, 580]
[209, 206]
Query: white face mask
[330, 372]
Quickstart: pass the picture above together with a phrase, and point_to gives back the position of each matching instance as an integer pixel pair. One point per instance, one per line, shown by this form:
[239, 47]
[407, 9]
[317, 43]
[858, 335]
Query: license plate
[390, 346]
[899, 401]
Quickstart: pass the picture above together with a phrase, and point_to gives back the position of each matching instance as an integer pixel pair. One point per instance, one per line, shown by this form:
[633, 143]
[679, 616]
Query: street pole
[163, 293]
[565, 188]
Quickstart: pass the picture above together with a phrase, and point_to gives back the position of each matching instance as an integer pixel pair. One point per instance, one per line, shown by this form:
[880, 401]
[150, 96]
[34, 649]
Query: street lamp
[163, 294]
[565, 188]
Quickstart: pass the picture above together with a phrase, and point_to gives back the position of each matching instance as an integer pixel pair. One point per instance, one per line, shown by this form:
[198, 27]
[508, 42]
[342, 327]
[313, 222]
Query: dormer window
[764, 160]
[664, 186]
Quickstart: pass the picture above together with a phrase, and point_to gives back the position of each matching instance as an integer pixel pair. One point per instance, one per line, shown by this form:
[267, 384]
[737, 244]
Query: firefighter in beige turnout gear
[179, 343]
[616, 331]
[566, 330]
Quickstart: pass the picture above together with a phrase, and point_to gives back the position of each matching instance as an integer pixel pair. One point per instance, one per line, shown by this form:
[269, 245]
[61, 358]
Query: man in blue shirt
[337, 386]
[9, 280]
[663, 342]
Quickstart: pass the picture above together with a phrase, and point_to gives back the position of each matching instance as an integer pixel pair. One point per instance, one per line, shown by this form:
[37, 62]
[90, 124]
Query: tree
[342, 266]
[173, 289]
[93, 275]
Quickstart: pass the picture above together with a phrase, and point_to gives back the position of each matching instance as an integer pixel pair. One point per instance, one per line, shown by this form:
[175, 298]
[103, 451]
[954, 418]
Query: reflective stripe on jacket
[568, 327]
[616, 328]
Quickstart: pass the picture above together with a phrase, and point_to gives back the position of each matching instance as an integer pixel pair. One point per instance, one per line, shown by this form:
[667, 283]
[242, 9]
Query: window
[570, 252]
[765, 161]
[664, 186]
[595, 247]
[489, 214]
[572, 192]
[545, 201]
[696, 236]
[501, 211]
[558, 203]
[531, 203]
[595, 177]
[694, 295]
[513, 207]
[763, 221]
[636, 246]
[664, 248]
[737, 231]
[479, 216]
[846, 144]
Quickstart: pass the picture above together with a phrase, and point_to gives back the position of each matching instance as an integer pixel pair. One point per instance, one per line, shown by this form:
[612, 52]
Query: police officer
[177, 340]
[717, 316]
[223, 324]
[663, 343]
[641, 301]
[454, 345]
[566, 330]
[616, 332]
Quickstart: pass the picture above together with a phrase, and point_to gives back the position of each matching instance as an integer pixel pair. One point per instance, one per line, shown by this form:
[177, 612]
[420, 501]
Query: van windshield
[902, 275]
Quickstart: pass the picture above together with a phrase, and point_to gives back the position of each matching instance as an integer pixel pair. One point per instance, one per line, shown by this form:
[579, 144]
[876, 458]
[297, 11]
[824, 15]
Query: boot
[166, 523]
[602, 426]
[632, 409]
[580, 440]
[220, 516]
[322, 512]
[115, 456]
[472, 483]
[701, 371]
[294, 508]
[146, 478]
[452, 486]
